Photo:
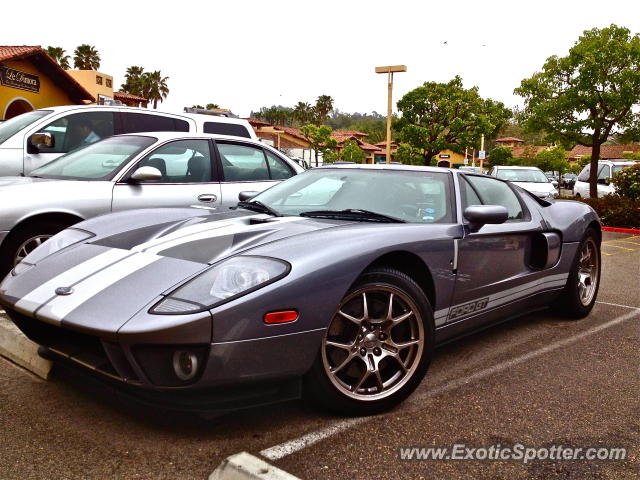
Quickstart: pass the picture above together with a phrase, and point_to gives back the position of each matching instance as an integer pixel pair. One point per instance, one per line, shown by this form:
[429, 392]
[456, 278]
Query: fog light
[185, 364]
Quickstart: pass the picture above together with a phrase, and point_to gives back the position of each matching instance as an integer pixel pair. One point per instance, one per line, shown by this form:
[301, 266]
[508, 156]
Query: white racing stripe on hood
[228, 229]
[34, 299]
[61, 306]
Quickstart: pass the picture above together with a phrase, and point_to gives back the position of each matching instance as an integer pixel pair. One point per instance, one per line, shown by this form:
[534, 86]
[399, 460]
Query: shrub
[627, 183]
[615, 211]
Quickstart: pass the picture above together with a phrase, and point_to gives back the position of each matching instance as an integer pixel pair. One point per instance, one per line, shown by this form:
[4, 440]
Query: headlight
[56, 243]
[222, 283]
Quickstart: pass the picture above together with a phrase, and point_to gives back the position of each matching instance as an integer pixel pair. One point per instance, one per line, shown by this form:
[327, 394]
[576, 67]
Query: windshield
[522, 175]
[417, 197]
[98, 161]
[12, 126]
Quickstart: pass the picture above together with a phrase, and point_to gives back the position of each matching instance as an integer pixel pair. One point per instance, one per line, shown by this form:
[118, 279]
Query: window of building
[98, 79]
[109, 83]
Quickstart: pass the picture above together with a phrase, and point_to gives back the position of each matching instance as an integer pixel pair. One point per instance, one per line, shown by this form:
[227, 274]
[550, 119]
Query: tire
[25, 239]
[371, 358]
[580, 293]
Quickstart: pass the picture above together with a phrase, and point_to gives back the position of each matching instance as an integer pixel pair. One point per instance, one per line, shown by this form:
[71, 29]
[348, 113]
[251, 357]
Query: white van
[32, 139]
[607, 169]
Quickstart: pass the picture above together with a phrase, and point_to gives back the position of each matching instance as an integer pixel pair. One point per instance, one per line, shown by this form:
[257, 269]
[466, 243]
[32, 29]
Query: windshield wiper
[258, 206]
[355, 214]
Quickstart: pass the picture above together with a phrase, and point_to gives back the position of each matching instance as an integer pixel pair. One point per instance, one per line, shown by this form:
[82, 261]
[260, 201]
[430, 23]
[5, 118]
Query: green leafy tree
[439, 116]
[320, 141]
[553, 159]
[351, 152]
[322, 108]
[134, 81]
[588, 95]
[411, 156]
[500, 156]
[58, 54]
[86, 57]
[212, 106]
[154, 87]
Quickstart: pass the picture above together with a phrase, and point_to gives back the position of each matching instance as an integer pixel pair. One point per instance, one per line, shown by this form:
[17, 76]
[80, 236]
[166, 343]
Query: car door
[248, 167]
[188, 178]
[495, 264]
[70, 131]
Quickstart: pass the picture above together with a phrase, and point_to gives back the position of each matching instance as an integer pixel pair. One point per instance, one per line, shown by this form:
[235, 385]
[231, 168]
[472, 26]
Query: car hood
[126, 268]
[536, 187]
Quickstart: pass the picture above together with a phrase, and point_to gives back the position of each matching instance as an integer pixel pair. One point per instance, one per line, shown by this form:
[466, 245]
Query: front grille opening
[87, 350]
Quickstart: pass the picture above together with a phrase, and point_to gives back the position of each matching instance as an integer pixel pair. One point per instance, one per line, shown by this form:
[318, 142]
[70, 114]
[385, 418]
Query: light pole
[390, 70]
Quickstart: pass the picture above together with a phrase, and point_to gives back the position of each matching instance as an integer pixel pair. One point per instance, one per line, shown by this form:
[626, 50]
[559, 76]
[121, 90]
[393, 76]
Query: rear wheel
[581, 291]
[23, 240]
[377, 347]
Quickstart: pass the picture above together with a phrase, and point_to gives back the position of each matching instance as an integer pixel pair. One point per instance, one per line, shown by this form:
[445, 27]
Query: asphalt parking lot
[538, 380]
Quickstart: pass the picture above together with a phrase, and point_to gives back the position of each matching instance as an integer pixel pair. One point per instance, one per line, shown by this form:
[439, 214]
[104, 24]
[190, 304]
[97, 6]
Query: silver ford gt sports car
[337, 283]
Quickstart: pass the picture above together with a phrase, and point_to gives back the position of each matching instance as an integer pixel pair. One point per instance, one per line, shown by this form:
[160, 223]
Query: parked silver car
[161, 169]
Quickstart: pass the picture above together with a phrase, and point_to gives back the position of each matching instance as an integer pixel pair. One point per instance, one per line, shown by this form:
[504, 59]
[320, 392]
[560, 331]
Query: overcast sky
[244, 55]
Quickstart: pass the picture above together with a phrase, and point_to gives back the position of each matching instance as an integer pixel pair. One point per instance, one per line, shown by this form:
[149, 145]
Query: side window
[279, 170]
[584, 174]
[182, 161]
[226, 129]
[604, 172]
[242, 163]
[495, 192]
[144, 122]
[468, 194]
[77, 130]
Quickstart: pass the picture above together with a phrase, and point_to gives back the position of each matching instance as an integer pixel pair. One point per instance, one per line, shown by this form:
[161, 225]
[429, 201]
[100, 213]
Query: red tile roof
[47, 65]
[351, 132]
[606, 151]
[509, 139]
[128, 96]
[534, 149]
[254, 122]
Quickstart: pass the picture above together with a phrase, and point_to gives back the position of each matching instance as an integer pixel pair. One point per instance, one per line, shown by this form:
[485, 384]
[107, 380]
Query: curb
[244, 466]
[631, 231]
[19, 349]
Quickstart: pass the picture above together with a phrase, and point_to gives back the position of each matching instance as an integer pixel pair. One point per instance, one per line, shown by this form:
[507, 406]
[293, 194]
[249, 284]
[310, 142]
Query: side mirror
[41, 140]
[246, 195]
[554, 183]
[479, 215]
[146, 173]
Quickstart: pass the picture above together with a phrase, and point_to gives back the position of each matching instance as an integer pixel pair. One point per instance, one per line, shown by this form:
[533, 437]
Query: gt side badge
[64, 291]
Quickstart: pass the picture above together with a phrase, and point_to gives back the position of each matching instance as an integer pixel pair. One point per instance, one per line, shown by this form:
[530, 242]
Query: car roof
[170, 135]
[616, 161]
[384, 166]
[514, 167]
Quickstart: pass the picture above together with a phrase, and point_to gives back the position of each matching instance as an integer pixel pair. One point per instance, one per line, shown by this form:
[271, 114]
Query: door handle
[207, 197]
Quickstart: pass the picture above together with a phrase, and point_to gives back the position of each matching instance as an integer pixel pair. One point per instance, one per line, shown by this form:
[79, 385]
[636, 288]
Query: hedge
[614, 211]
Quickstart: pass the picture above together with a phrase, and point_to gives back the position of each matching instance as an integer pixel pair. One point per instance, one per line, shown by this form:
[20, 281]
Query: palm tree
[86, 57]
[324, 104]
[154, 87]
[303, 112]
[58, 54]
[133, 81]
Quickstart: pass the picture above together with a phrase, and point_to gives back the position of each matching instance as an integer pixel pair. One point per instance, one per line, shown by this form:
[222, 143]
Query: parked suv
[607, 169]
[32, 139]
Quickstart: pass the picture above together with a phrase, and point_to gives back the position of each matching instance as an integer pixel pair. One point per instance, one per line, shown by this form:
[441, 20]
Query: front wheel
[23, 240]
[377, 348]
[581, 291]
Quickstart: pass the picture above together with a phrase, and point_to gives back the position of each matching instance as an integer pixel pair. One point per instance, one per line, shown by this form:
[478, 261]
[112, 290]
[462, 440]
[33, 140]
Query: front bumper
[235, 374]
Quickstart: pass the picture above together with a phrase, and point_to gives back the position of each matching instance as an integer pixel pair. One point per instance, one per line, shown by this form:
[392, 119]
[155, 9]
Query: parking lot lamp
[390, 70]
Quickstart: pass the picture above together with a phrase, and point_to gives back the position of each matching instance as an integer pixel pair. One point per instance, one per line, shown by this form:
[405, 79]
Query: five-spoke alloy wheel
[377, 347]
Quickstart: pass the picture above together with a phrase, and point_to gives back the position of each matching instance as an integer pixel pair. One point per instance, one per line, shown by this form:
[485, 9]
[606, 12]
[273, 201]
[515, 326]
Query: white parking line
[287, 448]
[619, 305]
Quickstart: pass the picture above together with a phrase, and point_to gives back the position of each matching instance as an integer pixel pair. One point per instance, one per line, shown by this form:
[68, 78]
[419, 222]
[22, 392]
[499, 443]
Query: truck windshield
[12, 126]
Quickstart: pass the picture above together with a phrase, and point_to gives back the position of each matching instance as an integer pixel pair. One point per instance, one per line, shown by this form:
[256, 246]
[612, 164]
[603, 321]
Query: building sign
[17, 79]
[444, 155]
